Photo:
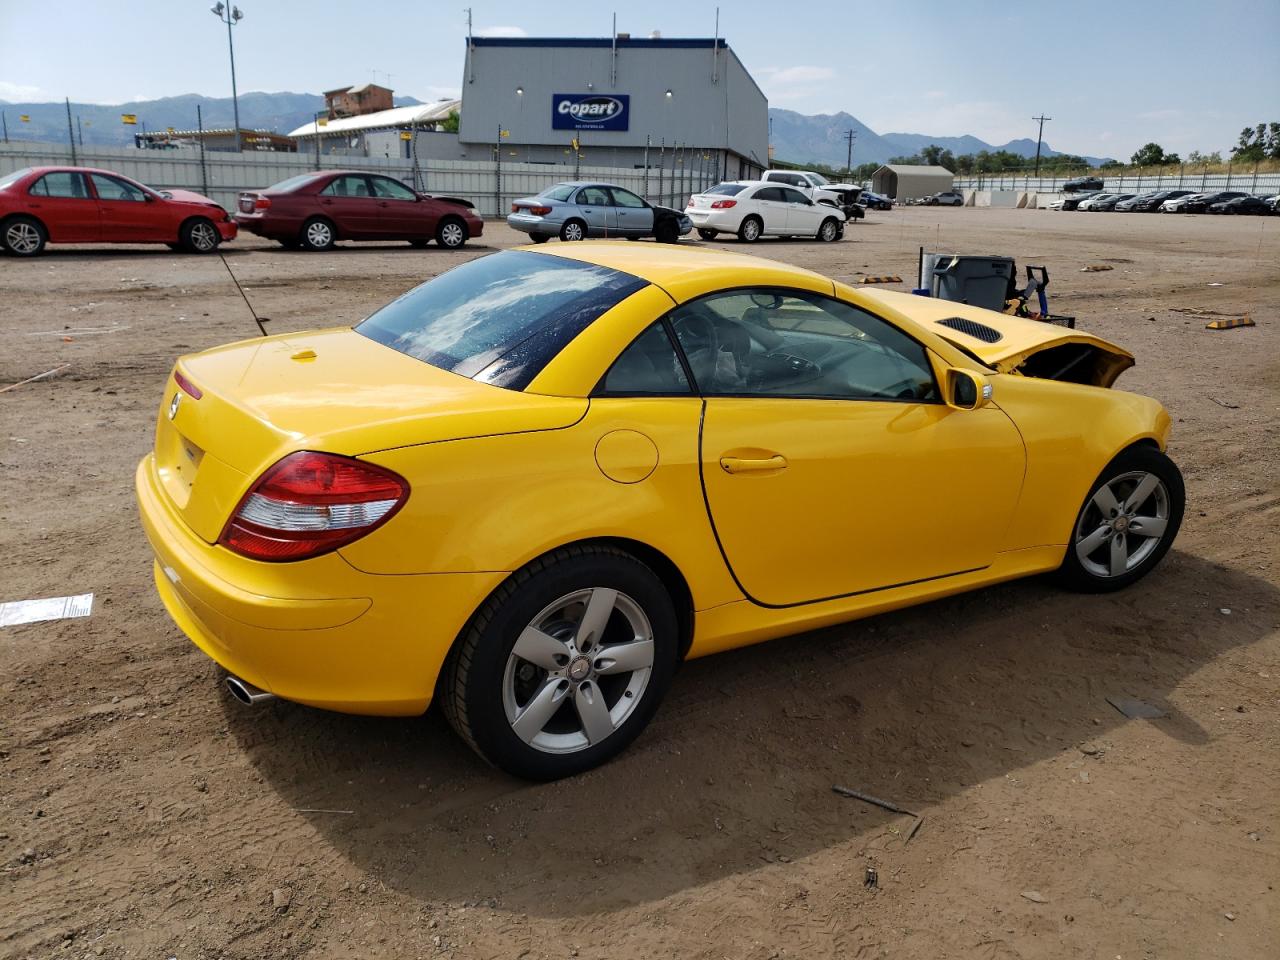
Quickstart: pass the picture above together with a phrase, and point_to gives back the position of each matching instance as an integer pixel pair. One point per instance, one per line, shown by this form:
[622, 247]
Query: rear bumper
[318, 632]
[530, 223]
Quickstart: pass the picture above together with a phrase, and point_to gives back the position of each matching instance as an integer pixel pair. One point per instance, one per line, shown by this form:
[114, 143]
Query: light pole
[231, 16]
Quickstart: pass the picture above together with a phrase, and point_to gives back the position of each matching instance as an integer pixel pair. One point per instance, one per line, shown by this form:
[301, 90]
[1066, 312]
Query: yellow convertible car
[532, 486]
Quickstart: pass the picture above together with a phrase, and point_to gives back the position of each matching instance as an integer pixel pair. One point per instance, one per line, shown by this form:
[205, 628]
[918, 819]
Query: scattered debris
[1225, 611]
[15, 612]
[1136, 709]
[1225, 403]
[914, 829]
[1095, 268]
[889, 279]
[1034, 896]
[1216, 284]
[1229, 916]
[38, 376]
[1231, 324]
[872, 879]
[281, 897]
[318, 810]
[874, 801]
[1084, 776]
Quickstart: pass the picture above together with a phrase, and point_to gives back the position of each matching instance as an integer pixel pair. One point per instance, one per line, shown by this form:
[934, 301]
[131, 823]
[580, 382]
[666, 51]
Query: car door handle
[383, 203]
[753, 465]
[326, 202]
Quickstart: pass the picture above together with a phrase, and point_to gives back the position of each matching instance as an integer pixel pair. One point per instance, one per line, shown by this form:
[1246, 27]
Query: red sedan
[40, 205]
[316, 209]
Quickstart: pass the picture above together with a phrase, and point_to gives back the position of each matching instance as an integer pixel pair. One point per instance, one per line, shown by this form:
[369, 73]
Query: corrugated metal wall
[489, 185]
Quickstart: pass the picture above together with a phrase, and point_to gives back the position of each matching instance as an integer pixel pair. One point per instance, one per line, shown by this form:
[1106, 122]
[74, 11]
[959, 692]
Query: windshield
[502, 318]
[9, 178]
[561, 191]
[817, 179]
[728, 189]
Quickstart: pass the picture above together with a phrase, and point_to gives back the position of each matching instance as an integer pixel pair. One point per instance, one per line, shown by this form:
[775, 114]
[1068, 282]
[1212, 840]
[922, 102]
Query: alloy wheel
[572, 231]
[578, 670]
[1122, 524]
[204, 237]
[319, 234]
[22, 238]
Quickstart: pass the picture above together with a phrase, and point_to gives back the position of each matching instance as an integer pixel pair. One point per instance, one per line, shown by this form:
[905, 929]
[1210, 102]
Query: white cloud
[798, 74]
[501, 31]
[794, 86]
[24, 93]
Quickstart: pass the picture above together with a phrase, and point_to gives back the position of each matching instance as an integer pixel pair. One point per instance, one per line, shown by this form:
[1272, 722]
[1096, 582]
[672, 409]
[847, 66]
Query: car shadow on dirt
[737, 769]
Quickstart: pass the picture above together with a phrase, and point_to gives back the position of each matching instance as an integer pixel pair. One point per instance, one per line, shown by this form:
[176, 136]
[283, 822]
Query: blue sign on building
[590, 111]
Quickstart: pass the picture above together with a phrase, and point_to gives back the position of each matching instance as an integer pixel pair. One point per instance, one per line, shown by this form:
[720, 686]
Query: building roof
[901, 168]
[693, 43]
[382, 119]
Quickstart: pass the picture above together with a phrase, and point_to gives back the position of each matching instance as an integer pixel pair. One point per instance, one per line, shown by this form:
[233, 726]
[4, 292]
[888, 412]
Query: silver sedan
[579, 209]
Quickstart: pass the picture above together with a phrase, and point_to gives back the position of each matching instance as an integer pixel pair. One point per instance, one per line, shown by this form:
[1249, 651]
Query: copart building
[614, 101]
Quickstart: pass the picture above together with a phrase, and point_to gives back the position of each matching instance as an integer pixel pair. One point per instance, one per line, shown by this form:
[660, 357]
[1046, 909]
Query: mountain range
[796, 137]
[799, 138]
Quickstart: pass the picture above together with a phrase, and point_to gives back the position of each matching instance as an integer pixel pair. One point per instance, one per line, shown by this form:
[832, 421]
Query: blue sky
[1187, 74]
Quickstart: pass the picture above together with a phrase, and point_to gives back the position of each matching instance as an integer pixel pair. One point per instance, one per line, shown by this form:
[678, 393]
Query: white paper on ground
[53, 608]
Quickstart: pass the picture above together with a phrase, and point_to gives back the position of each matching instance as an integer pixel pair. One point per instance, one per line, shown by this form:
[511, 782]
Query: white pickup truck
[819, 189]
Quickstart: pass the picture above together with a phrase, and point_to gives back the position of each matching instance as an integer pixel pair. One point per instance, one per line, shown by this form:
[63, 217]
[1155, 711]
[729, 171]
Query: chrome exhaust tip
[247, 693]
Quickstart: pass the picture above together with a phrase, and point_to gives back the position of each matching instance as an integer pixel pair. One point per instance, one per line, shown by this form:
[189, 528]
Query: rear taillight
[187, 386]
[536, 211]
[723, 204]
[261, 203]
[310, 503]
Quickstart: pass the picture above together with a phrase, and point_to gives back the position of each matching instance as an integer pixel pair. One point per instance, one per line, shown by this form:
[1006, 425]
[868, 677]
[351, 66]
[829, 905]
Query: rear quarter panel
[1071, 432]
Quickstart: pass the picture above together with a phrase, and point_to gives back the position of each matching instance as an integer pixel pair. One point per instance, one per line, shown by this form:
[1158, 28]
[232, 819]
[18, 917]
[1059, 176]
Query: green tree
[1151, 155]
[450, 123]
[1251, 146]
[1110, 165]
[1171, 159]
[1273, 143]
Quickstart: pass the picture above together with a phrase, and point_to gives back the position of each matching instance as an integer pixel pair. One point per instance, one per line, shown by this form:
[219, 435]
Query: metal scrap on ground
[1136, 709]
[38, 376]
[15, 612]
[1231, 324]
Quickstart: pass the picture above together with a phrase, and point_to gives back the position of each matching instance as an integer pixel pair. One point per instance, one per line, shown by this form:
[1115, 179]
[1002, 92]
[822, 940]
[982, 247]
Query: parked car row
[42, 205]
[579, 209]
[1169, 201]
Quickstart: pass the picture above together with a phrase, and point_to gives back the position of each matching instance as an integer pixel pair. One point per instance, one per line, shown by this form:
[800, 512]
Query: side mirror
[965, 389]
[149, 198]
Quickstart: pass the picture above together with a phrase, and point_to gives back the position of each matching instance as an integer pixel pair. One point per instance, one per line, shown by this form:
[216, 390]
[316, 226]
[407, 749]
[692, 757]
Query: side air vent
[979, 331]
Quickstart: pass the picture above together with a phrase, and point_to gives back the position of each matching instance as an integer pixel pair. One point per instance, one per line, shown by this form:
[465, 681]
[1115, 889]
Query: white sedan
[753, 209]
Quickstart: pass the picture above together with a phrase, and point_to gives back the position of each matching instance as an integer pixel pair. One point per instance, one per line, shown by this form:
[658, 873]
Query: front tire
[573, 230]
[667, 232]
[451, 233]
[199, 235]
[24, 236]
[564, 664]
[751, 229]
[1127, 523]
[829, 232]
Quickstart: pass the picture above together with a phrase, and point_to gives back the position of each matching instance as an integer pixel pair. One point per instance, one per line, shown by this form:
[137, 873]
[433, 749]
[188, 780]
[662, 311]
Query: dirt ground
[143, 813]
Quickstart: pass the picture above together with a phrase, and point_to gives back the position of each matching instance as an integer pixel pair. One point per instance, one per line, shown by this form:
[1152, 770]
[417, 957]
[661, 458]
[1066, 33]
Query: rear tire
[573, 230]
[1127, 523]
[23, 236]
[567, 611]
[750, 230]
[708, 234]
[451, 233]
[199, 235]
[317, 234]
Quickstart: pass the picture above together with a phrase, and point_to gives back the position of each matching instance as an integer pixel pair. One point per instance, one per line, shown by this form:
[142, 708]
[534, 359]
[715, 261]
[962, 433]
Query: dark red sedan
[40, 205]
[316, 209]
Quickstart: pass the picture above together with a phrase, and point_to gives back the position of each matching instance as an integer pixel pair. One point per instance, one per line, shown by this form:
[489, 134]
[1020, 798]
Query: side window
[594, 197]
[649, 366]
[109, 188]
[776, 177]
[67, 185]
[772, 343]
[350, 186]
[389, 189]
[625, 198]
[795, 196]
[768, 193]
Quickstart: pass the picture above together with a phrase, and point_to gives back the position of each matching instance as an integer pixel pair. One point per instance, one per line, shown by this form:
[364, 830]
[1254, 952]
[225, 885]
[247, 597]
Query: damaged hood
[1012, 344]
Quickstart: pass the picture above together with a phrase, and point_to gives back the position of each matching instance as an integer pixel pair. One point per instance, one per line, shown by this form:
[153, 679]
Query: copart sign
[590, 111]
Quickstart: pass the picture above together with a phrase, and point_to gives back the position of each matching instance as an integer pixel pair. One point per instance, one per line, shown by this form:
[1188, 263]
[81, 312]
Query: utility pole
[231, 16]
[71, 134]
[1040, 139]
[5, 120]
[849, 136]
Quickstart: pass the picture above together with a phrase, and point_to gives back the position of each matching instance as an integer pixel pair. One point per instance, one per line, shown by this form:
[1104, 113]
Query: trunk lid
[1013, 344]
[330, 390]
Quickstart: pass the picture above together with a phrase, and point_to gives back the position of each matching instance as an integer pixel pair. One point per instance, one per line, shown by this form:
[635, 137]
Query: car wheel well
[657, 561]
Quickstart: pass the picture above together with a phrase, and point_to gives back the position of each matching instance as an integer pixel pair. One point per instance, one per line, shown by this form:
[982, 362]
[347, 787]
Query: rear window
[9, 178]
[293, 183]
[502, 318]
[727, 189]
[561, 191]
